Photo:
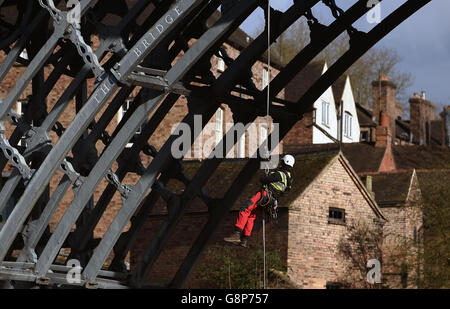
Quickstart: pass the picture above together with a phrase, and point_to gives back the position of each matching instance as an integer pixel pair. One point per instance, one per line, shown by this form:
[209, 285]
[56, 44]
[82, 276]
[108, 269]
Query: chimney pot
[384, 78]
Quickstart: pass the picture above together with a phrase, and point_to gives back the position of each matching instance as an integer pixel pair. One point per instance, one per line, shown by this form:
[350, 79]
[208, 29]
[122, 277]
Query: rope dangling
[268, 130]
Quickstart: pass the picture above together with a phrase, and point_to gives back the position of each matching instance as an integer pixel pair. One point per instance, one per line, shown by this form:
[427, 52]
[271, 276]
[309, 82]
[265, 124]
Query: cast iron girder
[93, 276]
[78, 125]
[251, 167]
[214, 34]
[137, 146]
[41, 133]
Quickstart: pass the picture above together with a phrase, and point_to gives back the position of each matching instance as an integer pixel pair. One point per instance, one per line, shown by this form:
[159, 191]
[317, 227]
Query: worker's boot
[244, 241]
[235, 237]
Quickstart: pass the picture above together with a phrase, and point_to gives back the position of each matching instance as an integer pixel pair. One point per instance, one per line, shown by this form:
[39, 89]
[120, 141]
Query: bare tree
[367, 69]
[362, 242]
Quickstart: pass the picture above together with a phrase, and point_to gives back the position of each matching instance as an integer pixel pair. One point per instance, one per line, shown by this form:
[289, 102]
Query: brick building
[327, 196]
[421, 129]
[334, 116]
[399, 195]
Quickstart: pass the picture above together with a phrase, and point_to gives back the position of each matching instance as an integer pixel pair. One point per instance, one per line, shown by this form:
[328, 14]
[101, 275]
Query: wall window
[220, 65]
[336, 215]
[325, 113]
[348, 118]
[219, 125]
[364, 136]
[265, 78]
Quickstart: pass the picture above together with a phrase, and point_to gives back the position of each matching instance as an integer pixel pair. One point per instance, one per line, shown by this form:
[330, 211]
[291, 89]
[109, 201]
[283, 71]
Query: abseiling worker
[274, 185]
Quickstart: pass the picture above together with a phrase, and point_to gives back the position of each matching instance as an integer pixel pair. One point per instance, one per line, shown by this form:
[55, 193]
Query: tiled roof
[363, 158]
[304, 80]
[365, 116]
[391, 188]
[421, 157]
[402, 130]
[338, 88]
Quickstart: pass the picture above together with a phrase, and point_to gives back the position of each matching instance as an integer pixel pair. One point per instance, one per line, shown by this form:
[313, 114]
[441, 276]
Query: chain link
[14, 156]
[73, 32]
[75, 178]
[337, 12]
[113, 179]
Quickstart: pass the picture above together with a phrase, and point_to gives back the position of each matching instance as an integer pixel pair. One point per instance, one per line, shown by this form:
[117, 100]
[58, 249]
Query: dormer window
[325, 113]
[348, 118]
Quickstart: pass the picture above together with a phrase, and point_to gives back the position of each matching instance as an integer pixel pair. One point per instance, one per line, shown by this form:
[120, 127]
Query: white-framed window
[219, 125]
[348, 124]
[241, 146]
[325, 113]
[265, 78]
[220, 65]
[122, 110]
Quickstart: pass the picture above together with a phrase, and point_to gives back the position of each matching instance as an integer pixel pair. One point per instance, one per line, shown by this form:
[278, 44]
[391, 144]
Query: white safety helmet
[289, 160]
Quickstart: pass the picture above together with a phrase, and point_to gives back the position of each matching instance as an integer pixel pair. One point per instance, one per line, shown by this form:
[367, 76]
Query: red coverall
[246, 218]
[247, 215]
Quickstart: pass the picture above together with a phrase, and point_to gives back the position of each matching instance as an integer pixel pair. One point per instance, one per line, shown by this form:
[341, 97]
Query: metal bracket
[113, 179]
[72, 31]
[75, 178]
[13, 155]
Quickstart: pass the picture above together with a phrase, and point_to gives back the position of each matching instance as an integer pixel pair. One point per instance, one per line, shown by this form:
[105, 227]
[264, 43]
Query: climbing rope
[268, 130]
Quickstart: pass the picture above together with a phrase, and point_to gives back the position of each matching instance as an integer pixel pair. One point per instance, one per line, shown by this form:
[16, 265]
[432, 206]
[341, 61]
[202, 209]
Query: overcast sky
[422, 42]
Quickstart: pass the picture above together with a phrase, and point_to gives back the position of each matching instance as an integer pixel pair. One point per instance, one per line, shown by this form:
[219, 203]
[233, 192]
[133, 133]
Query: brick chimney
[383, 131]
[384, 92]
[384, 139]
[421, 112]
